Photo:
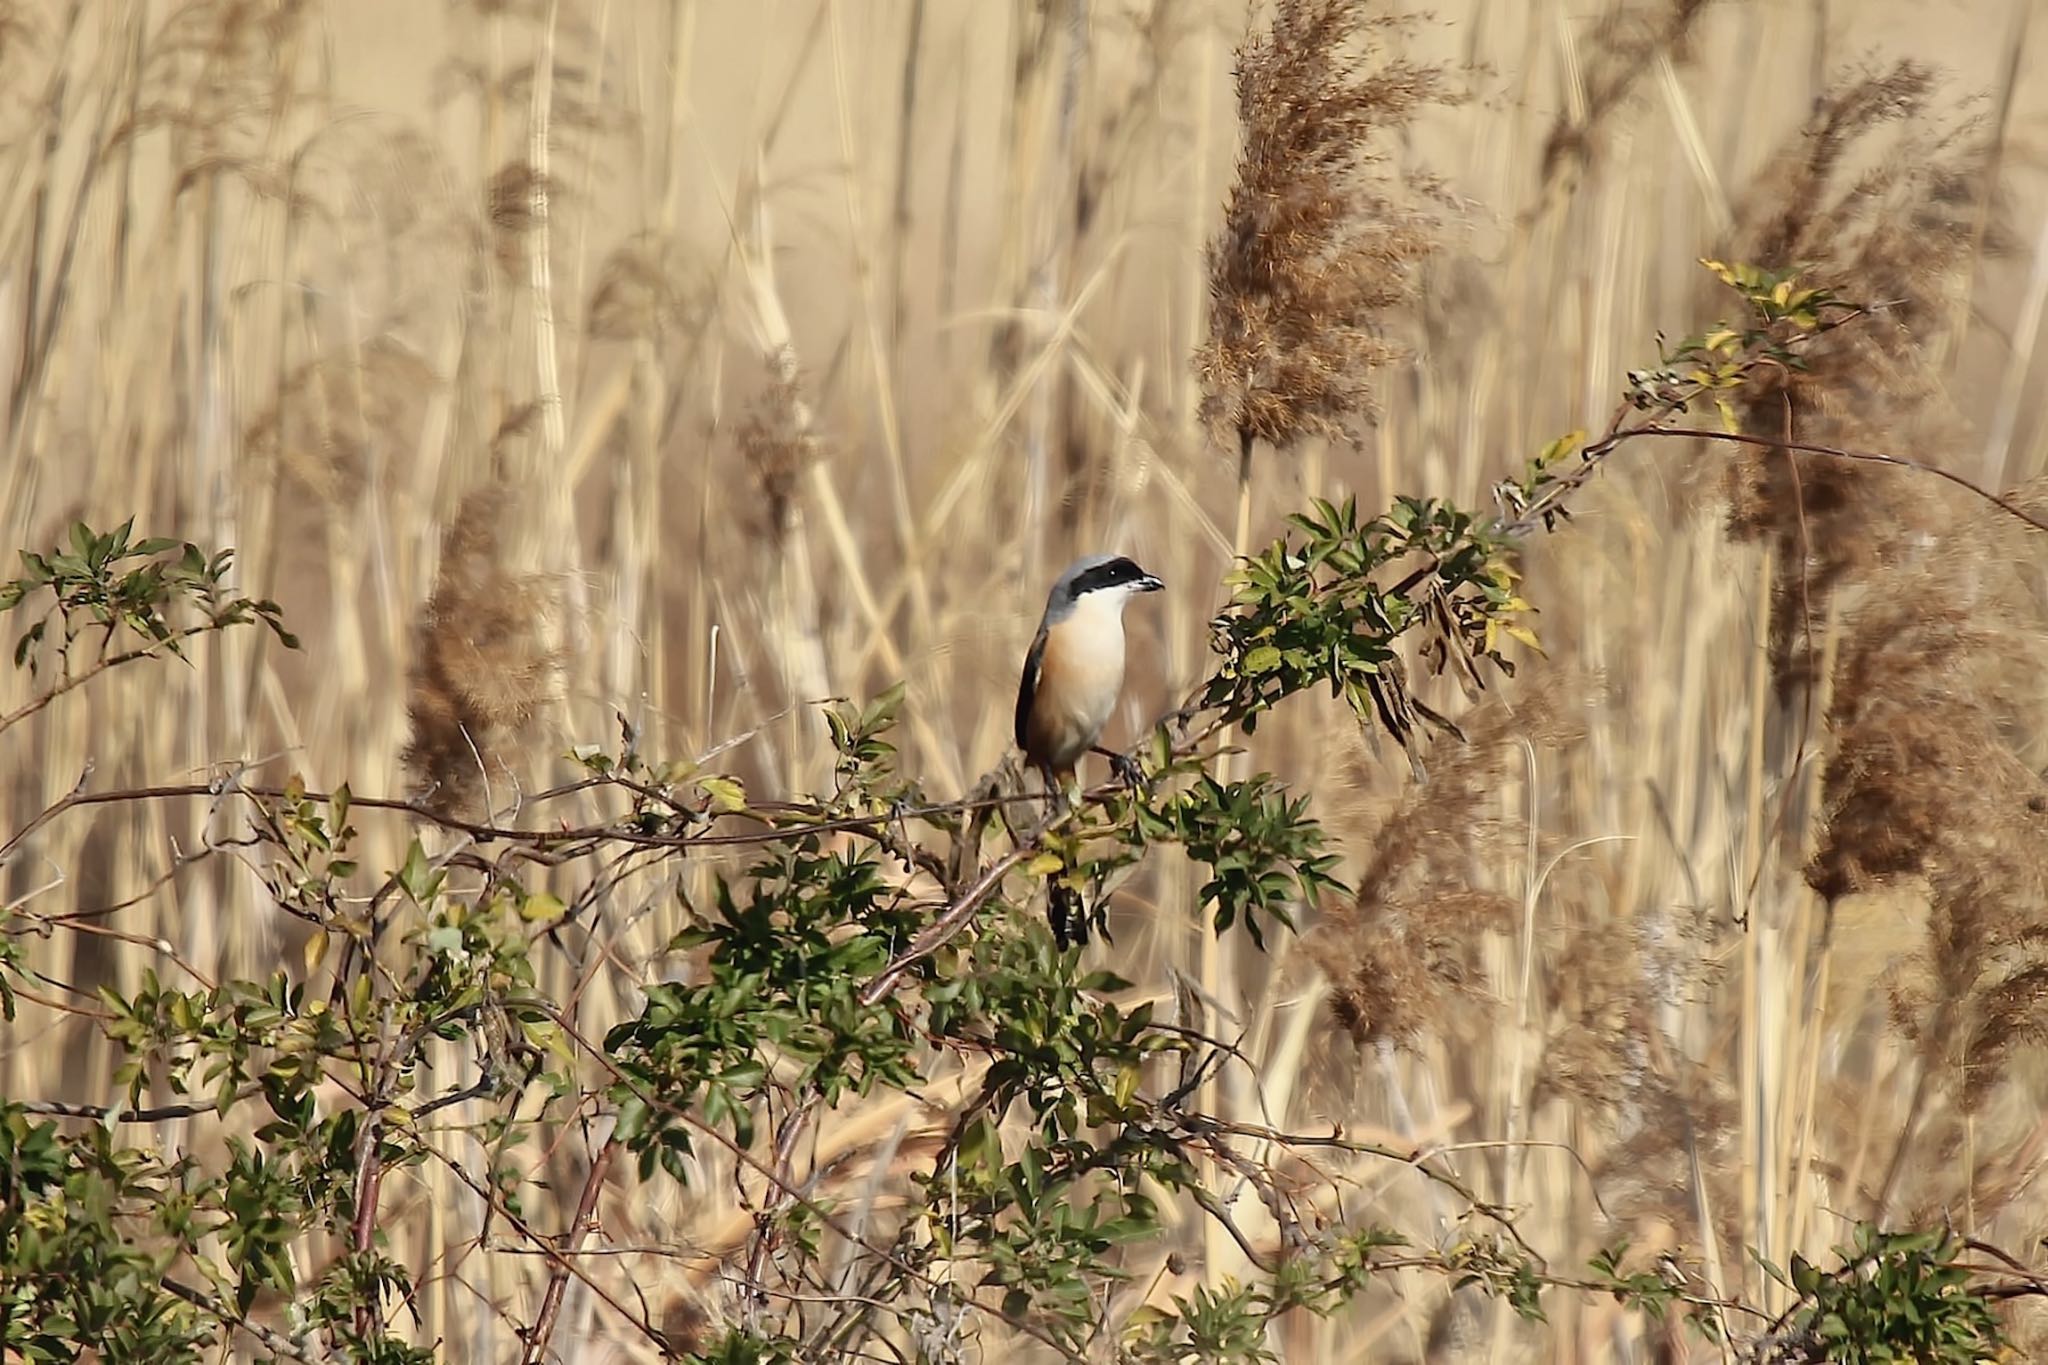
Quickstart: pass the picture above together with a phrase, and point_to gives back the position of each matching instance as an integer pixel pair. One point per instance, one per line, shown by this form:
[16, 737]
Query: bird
[1071, 680]
[1075, 669]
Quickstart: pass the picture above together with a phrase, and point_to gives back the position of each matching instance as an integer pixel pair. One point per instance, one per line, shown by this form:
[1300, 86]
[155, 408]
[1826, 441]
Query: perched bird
[1072, 677]
[1075, 669]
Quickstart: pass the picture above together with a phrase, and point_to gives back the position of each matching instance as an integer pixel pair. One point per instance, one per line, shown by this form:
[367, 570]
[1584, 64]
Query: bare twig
[1842, 453]
[274, 1342]
[558, 1278]
[72, 681]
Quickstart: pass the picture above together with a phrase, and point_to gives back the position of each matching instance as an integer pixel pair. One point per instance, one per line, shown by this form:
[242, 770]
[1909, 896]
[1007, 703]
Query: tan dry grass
[297, 305]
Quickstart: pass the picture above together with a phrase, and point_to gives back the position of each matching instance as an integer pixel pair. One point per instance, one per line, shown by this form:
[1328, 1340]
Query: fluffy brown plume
[779, 443]
[483, 667]
[1874, 201]
[1940, 675]
[1321, 238]
[333, 413]
[1939, 642]
[1405, 950]
[647, 290]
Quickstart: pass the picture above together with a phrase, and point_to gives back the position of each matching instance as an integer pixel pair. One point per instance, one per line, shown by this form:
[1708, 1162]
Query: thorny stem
[558, 1277]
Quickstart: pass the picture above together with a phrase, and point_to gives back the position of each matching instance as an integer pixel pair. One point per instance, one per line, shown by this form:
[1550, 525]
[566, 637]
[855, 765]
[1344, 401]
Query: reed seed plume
[508, 208]
[1680, 1120]
[1879, 198]
[213, 75]
[483, 666]
[647, 289]
[1322, 238]
[1404, 949]
[332, 412]
[1620, 50]
[1941, 668]
[778, 443]
[1939, 646]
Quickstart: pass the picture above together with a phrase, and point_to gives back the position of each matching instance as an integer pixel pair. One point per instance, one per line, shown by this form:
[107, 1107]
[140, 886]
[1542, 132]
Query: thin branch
[1843, 453]
[73, 681]
[826, 1217]
[274, 1342]
[154, 1114]
[545, 1245]
[558, 1277]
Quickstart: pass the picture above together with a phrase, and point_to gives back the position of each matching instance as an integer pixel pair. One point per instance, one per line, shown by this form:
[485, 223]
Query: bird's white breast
[1083, 668]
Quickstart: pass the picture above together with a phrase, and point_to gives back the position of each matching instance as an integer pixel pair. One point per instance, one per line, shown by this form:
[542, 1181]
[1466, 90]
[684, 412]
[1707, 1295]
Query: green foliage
[1652, 1292]
[1722, 360]
[1309, 610]
[790, 952]
[88, 1230]
[744, 1348]
[105, 591]
[1900, 1297]
[1262, 848]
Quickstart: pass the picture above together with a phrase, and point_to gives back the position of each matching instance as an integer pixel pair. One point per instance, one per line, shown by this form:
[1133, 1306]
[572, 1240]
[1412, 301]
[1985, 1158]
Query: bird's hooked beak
[1149, 584]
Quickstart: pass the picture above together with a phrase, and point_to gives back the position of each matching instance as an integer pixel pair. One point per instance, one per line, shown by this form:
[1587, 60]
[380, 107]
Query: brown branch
[805, 819]
[558, 1277]
[157, 1114]
[826, 1217]
[71, 682]
[955, 917]
[369, 1183]
[61, 1006]
[545, 1245]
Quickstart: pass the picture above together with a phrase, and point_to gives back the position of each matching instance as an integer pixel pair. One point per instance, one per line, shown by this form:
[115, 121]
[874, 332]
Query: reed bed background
[687, 363]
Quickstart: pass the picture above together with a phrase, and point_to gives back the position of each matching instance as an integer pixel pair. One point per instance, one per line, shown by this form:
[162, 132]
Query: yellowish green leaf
[1044, 865]
[726, 793]
[541, 907]
[1127, 1078]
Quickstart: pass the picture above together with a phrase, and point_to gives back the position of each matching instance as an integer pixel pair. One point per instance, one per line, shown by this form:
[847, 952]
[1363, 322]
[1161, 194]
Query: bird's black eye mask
[1114, 573]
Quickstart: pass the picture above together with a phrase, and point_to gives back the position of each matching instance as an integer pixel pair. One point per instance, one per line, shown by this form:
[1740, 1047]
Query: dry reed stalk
[1814, 996]
[879, 357]
[1759, 1037]
[1633, 39]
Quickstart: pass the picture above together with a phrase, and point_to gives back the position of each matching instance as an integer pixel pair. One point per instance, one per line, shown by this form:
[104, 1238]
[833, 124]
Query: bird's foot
[1125, 767]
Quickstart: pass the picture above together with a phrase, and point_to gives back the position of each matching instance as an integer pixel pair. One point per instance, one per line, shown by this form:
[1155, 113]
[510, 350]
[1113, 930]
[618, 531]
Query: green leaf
[417, 878]
[1262, 659]
[541, 908]
[726, 793]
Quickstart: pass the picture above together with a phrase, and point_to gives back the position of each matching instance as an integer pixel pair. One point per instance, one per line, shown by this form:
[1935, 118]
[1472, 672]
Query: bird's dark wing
[1027, 687]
